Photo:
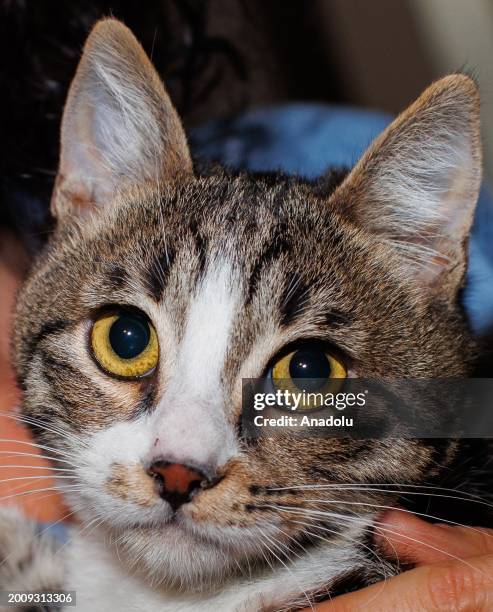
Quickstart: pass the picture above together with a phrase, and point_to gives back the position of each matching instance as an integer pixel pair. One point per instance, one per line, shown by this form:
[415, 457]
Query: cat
[163, 286]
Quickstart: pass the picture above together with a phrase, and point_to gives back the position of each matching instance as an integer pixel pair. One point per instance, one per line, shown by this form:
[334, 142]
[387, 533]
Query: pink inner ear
[416, 187]
[119, 126]
[80, 187]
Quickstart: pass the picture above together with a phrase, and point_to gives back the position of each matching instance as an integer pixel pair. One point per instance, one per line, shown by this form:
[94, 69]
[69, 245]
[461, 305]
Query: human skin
[15, 488]
[453, 565]
[453, 570]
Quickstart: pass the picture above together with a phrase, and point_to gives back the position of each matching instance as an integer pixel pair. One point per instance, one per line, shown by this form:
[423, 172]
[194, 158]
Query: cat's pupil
[129, 336]
[310, 364]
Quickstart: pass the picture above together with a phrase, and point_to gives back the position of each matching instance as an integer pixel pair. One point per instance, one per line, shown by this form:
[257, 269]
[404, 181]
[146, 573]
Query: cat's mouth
[209, 553]
[182, 529]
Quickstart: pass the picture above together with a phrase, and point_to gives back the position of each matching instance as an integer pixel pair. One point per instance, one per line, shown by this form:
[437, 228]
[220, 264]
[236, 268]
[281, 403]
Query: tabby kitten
[161, 289]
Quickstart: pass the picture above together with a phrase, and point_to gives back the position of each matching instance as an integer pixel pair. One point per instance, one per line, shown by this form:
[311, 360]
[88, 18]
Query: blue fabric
[58, 531]
[307, 139]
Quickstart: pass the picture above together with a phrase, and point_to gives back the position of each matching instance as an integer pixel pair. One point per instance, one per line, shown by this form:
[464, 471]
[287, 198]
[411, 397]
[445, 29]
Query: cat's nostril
[177, 482]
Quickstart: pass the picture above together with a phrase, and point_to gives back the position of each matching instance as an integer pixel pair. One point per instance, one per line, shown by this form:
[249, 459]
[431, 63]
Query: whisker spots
[131, 483]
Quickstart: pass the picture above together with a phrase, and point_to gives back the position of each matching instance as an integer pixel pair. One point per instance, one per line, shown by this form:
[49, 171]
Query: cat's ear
[416, 186]
[119, 126]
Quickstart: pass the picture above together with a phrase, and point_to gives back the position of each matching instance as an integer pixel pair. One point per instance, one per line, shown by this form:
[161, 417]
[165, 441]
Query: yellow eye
[314, 371]
[125, 344]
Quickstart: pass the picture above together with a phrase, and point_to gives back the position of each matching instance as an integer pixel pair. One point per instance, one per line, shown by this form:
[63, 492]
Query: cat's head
[160, 290]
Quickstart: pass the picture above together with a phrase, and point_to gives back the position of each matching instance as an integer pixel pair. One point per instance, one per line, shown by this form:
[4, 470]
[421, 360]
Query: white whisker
[401, 490]
[264, 535]
[14, 454]
[35, 445]
[379, 524]
[398, 509]
[36, 467]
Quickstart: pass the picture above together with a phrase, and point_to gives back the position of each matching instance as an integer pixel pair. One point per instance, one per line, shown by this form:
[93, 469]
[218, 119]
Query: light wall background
[389, 50]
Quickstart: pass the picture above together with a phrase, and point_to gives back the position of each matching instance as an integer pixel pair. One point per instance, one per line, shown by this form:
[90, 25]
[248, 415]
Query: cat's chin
[182, 555]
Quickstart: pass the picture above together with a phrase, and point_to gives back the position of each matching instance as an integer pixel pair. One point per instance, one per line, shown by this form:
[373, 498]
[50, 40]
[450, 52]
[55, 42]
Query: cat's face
[218, 278]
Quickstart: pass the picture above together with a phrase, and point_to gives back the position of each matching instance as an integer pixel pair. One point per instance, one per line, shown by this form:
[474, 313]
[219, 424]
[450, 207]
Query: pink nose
[176, 482]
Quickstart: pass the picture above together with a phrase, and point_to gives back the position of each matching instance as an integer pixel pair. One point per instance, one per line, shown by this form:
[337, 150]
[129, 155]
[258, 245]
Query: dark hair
[40, 43]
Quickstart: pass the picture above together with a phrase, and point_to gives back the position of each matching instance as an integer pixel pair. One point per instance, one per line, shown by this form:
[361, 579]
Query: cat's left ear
[417, 185]
[119, 126]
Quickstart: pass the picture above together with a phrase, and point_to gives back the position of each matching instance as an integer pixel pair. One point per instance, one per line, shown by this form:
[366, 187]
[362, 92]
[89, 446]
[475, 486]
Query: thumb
[400, 533]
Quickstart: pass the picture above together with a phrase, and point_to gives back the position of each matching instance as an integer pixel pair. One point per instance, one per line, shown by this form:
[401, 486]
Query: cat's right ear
[119, 126]
[416, 187]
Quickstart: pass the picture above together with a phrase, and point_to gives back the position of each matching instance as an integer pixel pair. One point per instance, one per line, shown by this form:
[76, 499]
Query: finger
[412, 539]
[440, 587]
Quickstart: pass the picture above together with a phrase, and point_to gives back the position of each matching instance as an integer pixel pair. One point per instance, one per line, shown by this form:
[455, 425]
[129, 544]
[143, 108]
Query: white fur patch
[190, 421]
[91, 567]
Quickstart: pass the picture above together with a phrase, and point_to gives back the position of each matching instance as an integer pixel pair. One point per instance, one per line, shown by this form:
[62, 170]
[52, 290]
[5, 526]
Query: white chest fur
[102, 583]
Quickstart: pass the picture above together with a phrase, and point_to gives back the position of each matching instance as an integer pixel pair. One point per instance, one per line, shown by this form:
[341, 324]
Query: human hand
[453, 570]
[25, 477]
